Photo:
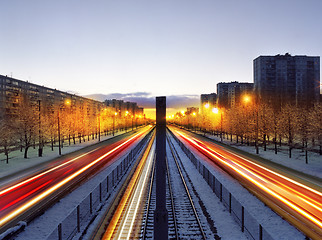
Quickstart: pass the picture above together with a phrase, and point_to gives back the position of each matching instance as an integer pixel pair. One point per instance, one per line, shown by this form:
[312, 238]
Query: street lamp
[246, 99]
[216, 111]
[67, 102]
[193, 121]
[58, 122]
[126, 114]
[40, 149]
[114, 122]
[99, 123]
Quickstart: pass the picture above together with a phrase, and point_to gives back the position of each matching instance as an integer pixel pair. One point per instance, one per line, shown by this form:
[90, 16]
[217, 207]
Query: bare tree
[315, 117]
[26, 124]
[7, 138]
[289, 125]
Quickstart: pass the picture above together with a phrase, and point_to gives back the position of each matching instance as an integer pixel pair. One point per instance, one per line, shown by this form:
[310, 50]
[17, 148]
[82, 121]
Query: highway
[22, 199]
[297, 202]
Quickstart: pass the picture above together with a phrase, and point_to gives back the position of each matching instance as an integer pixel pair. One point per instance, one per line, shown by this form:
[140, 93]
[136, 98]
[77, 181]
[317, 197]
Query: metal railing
[81, 216]
[245, 220]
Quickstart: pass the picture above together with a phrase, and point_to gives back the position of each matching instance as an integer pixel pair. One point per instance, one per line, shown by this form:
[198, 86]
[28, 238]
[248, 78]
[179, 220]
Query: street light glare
[207, 105]
[246, 99]
[215, 110]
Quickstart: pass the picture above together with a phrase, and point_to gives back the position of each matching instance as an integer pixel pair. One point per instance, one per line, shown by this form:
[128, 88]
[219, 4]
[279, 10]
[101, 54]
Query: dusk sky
[146, 48]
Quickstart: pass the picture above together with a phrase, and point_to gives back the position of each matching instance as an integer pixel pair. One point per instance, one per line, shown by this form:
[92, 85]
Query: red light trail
[301, 201]
[20, 197]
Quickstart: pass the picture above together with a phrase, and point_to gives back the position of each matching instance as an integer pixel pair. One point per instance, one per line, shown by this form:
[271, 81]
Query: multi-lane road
[22, 198]
[295, 197]
[297, 200]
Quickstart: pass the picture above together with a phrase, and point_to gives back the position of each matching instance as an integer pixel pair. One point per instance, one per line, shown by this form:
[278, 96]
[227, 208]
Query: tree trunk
[306, 154]
[7, 157]
[264, 142]
[26, 152]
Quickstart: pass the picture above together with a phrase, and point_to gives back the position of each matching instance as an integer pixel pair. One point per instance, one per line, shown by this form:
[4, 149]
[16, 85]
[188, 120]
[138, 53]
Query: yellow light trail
[49, 191]
[143, 180]
[258, 184]
[128, 193]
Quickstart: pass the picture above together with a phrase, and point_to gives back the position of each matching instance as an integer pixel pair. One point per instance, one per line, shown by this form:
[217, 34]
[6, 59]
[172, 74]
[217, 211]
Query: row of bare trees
[33, 124]
[261, 124]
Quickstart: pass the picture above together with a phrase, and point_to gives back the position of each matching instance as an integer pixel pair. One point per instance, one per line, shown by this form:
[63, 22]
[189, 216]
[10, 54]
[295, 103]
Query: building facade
[231, 94]
[47, 99]
[125, 108]
[51, 101]
[208, 101]
[286, 79]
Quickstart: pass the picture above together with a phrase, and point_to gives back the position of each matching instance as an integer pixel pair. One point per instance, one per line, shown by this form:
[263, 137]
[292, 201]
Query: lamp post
[114, 122]
[58, 122]
[40, 149]
[193, 121]
[99, 123]
[216, 111]
[67, 102]
[126, 116]
[247, 100]
[221, 120]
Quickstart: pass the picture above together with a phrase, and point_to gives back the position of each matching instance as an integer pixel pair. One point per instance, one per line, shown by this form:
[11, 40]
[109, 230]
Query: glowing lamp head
[215, 110]
[207, 105]
[194, 114]
[246, 99]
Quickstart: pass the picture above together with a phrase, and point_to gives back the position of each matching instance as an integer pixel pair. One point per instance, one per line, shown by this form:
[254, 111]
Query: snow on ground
[18, 163]
[270, 221]
[225, 225]
[44, 225]
[297, 162]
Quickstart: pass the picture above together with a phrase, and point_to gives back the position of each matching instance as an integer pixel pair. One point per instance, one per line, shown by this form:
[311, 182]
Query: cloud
[146, 100]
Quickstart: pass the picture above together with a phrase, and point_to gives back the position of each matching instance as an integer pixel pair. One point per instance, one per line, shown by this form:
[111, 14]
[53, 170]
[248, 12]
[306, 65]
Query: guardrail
[245, 220]
[80, 217]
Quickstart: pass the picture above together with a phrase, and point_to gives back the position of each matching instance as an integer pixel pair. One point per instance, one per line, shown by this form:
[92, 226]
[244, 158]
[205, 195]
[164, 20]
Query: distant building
[208, 101]
[192, 111]
[230, 94]
[286, 79]
[222, 94]
[49, 99]
[122, 107]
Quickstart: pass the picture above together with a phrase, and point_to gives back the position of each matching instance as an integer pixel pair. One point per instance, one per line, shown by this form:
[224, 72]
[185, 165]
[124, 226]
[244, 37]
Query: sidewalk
[18, 163]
